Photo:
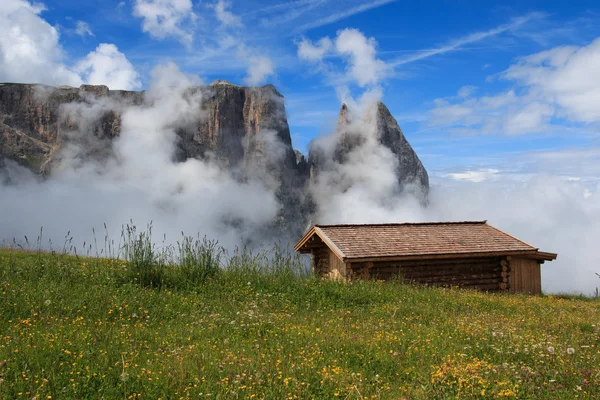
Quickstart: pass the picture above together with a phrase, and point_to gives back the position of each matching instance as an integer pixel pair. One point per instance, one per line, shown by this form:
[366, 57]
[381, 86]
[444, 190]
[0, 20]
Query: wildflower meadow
[248, 325]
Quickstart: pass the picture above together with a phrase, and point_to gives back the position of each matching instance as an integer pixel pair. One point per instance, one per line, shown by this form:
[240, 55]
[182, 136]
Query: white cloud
[529, 118]
[473, 176]
[469, 39]
[226, 17]
[466, 91]
[339, 15]
[314, 52]
[108, 66]
[82, 29]
[29, 47]
[30, 53]
[259, 69]
[582, 163]
[567, 76]
[164, 18]
[559, 83]
[358, 51]
[364, 66]
[290, 11]
[551, 213]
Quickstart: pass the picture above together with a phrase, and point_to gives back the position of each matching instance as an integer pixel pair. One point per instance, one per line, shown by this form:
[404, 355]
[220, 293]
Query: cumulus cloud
[566, 76]
[226, 17]
[557, 84]
[30, 52]
[314, 52]
[164, 18]
[259, 69]
[358, 52]
[364, 66]
[29, 47]
[83, 29]
[108, 66]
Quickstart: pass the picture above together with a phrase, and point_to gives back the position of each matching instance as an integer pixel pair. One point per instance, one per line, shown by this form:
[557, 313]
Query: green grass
[178, 327]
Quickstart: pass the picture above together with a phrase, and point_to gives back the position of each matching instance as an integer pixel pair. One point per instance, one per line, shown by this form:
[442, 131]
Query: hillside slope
[75, 328]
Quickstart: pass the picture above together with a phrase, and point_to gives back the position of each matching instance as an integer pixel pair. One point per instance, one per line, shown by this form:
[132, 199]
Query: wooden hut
[467, 254]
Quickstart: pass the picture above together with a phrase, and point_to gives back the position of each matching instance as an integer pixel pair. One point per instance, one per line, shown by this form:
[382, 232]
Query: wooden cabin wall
[337, 268]
[491, 274]
[321, 260]
[525, 276]
[327, 265]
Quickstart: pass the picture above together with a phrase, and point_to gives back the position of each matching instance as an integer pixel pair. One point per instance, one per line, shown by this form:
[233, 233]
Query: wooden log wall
[490, 274]
[321, 260]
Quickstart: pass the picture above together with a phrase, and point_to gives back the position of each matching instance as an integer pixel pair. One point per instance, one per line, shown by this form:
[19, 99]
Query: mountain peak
[221, 82]
[343, 117]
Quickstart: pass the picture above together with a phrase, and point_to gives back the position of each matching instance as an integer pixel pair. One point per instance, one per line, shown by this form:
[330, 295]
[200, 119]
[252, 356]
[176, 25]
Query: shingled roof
[418, 240]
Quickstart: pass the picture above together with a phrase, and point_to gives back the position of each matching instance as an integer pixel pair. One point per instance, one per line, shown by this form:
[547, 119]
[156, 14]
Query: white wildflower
[550, 349]
[571, 351]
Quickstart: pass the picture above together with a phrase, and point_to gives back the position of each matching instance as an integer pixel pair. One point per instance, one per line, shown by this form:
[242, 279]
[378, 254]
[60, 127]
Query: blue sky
[459, 76]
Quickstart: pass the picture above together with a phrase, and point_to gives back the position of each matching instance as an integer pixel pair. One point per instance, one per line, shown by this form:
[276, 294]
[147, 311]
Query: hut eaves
[404, 241]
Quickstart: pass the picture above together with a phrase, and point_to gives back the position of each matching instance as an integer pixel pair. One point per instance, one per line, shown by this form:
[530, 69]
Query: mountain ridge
[243, 129]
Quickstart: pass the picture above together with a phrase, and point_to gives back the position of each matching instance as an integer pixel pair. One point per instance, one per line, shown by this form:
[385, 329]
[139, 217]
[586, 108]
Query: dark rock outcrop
[410, 169]
[243, 129]
[385, 128]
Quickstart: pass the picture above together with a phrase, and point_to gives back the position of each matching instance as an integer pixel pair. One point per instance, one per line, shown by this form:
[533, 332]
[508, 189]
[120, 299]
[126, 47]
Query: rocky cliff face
[243, 129]
[34, 122]
[410, 170]
[380, 124]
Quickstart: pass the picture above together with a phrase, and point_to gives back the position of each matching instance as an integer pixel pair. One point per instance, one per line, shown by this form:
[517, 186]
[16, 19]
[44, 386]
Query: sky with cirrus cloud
[496, 100]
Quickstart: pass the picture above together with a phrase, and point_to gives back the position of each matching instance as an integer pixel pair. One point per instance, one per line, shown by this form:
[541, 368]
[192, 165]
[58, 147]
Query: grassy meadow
[148, 327]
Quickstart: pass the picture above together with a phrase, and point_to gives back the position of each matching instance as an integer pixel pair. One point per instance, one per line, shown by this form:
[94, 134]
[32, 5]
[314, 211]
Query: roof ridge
[408, 223]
